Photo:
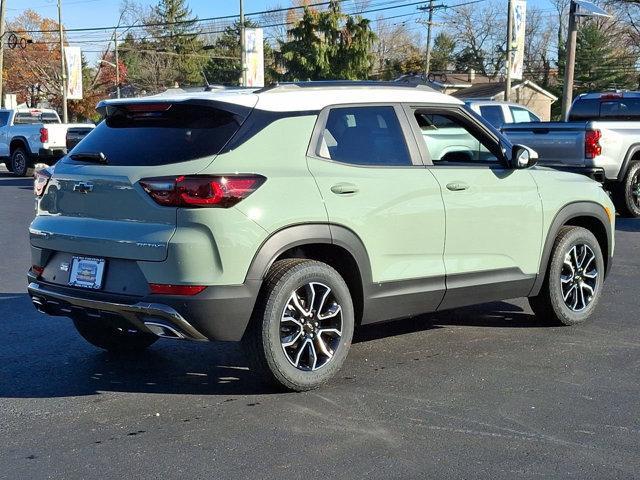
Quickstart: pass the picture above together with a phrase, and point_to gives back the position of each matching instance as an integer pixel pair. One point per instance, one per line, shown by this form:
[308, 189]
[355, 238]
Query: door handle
[457, 186]
[344, 188]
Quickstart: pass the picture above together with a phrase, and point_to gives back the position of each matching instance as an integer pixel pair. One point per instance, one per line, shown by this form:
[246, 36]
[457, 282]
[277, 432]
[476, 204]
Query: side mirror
[523, 157]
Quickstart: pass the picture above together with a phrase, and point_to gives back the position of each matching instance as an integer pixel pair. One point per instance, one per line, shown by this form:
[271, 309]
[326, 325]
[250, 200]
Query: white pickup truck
[30, 136]
[601, 139]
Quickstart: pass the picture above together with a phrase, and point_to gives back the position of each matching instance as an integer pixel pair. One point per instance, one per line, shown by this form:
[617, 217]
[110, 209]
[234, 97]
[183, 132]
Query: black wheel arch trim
[305, 234]
[567, 213]
[23, 141]
[633, 149]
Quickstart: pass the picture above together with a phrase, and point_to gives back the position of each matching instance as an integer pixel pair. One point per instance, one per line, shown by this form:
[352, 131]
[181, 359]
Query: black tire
[7, 164]
[263, 341]
[626, 194]
[550, 305]
[111, 338]
[21, 164]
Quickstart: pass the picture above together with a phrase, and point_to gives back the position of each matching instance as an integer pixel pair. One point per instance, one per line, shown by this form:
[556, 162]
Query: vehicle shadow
[628, 224]
[8, 180]
[44, 357]
[495, 314]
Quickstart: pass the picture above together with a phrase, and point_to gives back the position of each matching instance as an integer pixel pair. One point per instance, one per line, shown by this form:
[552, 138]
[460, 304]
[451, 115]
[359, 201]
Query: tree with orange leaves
[34, 75]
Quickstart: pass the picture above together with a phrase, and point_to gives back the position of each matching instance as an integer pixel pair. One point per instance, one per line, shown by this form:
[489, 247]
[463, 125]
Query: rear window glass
[521, 115]
[161, 134]
[594, 108]
[27, 118]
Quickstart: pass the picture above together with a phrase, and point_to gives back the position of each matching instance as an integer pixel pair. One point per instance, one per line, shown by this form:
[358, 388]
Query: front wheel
[302, 326]
[574, 278]
[111, 338]
[626, 194]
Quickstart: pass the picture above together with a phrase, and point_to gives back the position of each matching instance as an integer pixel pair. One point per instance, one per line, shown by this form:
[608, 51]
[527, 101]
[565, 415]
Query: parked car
[499, 114]
[30, 136]
[600, 139]
[287, 216]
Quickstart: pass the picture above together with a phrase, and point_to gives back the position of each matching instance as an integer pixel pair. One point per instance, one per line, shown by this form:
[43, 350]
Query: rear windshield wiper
[97, 157]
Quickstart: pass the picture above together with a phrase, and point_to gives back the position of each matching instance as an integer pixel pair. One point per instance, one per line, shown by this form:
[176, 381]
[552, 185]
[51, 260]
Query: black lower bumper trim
[218, 313]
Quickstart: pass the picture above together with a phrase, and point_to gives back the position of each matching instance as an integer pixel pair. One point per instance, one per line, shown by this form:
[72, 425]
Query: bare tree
[395, 42]
[480, 34]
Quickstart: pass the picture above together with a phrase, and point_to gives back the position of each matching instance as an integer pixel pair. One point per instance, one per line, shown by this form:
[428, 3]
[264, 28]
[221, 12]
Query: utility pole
[65, 117]
[570, 61]
[429, 22]
[3, 7]
[243, 54]
[507, 87]
[115, 48]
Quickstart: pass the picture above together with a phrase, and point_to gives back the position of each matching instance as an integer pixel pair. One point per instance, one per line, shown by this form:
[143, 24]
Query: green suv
[286, 217]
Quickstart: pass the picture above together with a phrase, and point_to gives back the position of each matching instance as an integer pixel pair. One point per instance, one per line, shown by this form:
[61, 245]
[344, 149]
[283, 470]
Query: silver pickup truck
[30, 136]
[601, 139]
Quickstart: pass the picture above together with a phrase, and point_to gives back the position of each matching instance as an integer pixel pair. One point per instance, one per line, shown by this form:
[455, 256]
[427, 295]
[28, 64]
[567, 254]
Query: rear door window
[160, 134]
[493, 114]
[364, 136]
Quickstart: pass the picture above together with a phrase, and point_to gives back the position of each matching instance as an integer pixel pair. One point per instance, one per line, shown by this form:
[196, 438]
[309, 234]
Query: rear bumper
[217, 313]
[50, 154]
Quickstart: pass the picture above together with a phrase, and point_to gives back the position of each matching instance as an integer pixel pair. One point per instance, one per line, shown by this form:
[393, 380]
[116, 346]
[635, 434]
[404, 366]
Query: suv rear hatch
[94, 204]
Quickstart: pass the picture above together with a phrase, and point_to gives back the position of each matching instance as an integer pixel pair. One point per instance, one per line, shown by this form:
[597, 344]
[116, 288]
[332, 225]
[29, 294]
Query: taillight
[44, 135]
[201, 190]
[165, 289]
[40, 181]
[37, 270]
[592, 146]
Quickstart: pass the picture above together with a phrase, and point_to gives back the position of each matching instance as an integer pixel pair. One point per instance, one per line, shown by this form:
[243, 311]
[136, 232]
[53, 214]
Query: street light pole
[65, 117]
[3, 7]
[570, 61]
[243, 54]
[507, 86]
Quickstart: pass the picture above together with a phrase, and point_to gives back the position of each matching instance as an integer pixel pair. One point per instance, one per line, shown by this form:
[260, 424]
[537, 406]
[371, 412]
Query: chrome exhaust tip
[164, 331]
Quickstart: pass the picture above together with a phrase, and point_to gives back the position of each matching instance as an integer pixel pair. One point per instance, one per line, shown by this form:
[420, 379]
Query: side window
[522, 115]
[364, 136]
[450, 140]
[493, 114]
[4, 118]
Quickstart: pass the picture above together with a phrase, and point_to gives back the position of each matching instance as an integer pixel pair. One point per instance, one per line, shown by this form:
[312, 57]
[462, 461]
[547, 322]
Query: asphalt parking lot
[483, 392]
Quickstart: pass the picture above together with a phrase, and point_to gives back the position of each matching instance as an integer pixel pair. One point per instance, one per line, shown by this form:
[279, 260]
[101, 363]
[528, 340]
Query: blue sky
[100, 13]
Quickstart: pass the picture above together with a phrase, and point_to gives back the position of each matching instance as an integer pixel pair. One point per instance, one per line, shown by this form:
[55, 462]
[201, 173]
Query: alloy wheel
[311, 327]
[635, 188]
[19, 162]
[579, 277]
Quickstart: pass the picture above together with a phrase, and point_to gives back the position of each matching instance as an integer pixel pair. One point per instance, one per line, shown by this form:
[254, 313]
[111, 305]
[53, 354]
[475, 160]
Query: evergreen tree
[327, 45]
[442, 57]
[601, 63]
[179, 39]
[224, 67]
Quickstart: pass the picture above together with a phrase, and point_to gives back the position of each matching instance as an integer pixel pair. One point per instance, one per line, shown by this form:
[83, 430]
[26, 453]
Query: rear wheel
[302, 326]
[111, 338]
[21, 164]
[7, 164]
[574, 278]
[626, 194]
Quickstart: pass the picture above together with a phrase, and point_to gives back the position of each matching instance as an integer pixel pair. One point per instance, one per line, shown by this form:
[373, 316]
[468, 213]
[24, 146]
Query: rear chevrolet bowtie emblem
[83, 187]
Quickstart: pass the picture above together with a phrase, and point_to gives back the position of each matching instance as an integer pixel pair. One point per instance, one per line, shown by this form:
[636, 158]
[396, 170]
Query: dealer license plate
[87, 272]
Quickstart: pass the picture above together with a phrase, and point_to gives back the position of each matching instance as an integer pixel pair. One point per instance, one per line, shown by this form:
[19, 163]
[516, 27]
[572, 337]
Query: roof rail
[340, 83]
